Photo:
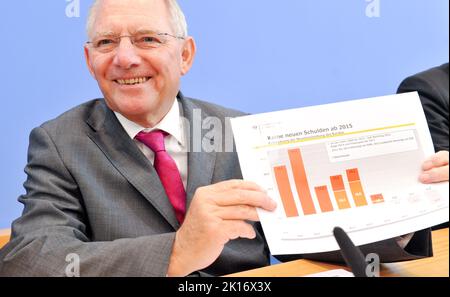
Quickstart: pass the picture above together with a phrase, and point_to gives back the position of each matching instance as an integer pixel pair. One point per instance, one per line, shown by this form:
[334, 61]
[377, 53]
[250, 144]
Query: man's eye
[104, 42]
[149, 39]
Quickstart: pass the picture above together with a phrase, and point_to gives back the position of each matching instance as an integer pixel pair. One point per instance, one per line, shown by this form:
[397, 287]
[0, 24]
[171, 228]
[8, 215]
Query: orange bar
[358, 194]
[337, 183]
[301, 182]
[353, 175]
[324, 198]
[356, 187]
[284, 188]
[341, 199]
[378, 198]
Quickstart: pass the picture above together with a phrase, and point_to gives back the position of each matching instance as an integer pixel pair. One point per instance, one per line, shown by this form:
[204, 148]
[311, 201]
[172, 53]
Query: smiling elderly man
[114, 182]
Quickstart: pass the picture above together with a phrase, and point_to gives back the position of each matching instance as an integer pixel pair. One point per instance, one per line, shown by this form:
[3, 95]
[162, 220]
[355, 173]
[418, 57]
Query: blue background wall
[253, 55]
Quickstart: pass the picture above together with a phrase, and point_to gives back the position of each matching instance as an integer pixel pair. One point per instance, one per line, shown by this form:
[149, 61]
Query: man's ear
[88, 61]
[188, 55]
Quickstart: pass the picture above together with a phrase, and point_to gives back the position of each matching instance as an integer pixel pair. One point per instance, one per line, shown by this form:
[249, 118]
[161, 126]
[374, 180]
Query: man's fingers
[245, 197]
[434, 175]
[238, 184]
[437, 160]
[238, 212]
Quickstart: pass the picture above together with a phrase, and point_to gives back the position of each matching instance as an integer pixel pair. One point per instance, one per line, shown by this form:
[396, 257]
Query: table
[4, 237]
[438, 265]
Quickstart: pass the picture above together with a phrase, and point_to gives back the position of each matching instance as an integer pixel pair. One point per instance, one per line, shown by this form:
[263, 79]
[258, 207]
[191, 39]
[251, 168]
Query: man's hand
[216, 215]
[435, 169]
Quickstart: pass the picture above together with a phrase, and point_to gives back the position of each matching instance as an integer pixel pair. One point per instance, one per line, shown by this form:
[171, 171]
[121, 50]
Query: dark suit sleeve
[54, 225]
[435, 105]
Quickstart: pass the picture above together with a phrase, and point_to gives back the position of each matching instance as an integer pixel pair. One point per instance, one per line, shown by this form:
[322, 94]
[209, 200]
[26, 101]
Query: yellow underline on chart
[333, 136]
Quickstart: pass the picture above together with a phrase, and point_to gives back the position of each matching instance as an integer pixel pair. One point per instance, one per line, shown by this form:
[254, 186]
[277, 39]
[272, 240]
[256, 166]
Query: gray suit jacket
[90, 191]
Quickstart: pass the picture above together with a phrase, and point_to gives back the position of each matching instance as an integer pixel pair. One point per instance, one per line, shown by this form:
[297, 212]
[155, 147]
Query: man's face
[156, 72]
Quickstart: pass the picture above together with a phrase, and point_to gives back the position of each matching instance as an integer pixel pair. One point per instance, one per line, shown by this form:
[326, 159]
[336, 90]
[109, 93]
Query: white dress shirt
[175, 142]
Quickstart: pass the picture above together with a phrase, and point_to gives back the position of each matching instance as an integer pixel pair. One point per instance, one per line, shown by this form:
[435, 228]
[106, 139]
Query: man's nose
[126, 55]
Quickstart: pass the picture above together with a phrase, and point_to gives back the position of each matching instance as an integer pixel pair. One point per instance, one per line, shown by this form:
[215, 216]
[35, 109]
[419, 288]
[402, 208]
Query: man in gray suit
[96, 193]
[92, 192]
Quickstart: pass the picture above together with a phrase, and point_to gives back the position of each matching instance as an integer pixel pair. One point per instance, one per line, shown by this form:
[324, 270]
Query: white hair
[178, 20]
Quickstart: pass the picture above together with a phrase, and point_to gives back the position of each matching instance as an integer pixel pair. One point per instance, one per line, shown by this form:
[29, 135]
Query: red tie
[167, 171]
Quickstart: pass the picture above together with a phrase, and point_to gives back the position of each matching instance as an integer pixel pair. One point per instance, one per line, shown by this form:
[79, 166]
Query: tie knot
[154, 140]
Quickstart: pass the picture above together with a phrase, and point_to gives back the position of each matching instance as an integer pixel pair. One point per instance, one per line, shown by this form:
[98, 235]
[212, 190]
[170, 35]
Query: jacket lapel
[109, 135]
[200, 163]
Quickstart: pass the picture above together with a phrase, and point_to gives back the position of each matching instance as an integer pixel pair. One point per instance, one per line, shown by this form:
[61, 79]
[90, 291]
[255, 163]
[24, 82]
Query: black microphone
[351, 254]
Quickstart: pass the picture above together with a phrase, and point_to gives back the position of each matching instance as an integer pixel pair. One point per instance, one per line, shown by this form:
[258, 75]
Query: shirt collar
[171, 124]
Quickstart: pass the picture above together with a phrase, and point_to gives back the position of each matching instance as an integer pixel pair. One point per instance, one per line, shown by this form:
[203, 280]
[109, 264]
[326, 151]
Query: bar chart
[315, 190]
[337, 188]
